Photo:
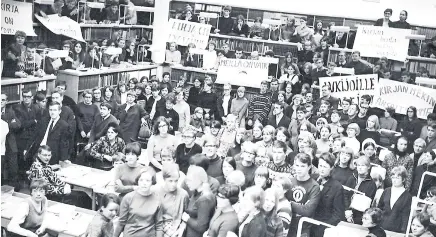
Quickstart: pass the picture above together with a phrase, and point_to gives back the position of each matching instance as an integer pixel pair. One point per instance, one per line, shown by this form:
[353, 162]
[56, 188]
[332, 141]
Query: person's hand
[206, 116]
[21, 74]
[67, 189]
[88, 135]
[108, 157]
[349, 215]
[216, 31]
[185, 217]
[40, 231]
[336, 45]
[74, 12]
[87, 146]
[83, 134]
[250, 122]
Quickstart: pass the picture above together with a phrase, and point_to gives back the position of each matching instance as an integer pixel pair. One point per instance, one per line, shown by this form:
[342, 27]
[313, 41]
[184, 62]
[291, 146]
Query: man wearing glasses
[215, 162]
[26, 113]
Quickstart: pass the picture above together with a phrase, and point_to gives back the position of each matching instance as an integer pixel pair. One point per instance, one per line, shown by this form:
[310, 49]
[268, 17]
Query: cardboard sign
[62, 26]
[57, 53]
[377, 42]
[242, 72]
[185, 32]
[17, 16]
[351, 86]
[402, 95]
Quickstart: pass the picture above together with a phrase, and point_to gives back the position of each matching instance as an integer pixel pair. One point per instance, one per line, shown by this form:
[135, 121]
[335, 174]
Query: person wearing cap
[385, 22]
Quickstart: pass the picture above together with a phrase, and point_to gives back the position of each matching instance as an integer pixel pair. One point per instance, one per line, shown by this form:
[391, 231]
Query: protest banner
[377, 42]
[242, 72]
[185, 32]
[17, 16]
[402, 95]
[62, 26]
[353, 86]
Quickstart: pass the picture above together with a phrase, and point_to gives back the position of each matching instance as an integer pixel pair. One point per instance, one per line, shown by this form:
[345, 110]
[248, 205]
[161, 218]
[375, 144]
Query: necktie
[51, 125]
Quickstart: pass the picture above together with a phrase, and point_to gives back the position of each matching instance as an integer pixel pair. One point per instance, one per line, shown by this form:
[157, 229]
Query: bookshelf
[12, 87]
[417, 62]
[78, 81]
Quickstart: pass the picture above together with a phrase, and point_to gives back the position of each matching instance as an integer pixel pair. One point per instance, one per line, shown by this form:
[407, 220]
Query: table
[85, 179]
[12, 87]
[70, 220]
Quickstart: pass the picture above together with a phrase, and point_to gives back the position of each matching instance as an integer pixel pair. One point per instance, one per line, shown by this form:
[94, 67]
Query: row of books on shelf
[414, 66]
[112, 79]
[12, 91]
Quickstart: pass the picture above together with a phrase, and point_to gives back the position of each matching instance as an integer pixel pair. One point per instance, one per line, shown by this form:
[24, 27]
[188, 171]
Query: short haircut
[280, 144]
[304, 158]
[268, 129]
[375, 214]
[329, 158]
[107, 105]
[284, 131]
[399, 171]
[284, 181]
[166, 74]
[61, 83]
[54, 103]
[355, 127]
[58, 91]
[388, 10]
[257, 196]
[199, 160]
[230, 192]
[86, 92]
[215, 124]
[108, 198]
[227, 8]
[301, 108]
[170, 171]
[363, 160]
[134, 148]
[239, 49]
[423, 218]
[38, 184]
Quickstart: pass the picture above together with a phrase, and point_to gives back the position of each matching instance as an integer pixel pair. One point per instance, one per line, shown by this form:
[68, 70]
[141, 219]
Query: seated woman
[130, 52]
[135, 220]
[190, 59]
[127, 174]
[105, 148]
[256, 31]
[241, 28]
[108, 59]
[160, 139]
[92, 59]
[28, 219]
[102, 225]
[172, 55]
[75, 57]
[41, 169]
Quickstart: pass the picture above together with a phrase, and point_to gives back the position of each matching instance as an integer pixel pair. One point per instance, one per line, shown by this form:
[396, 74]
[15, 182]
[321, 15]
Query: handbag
[359, 201]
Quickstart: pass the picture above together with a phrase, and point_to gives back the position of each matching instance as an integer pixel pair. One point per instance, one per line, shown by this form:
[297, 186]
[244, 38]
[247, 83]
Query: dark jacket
[367, 187]
[190, 61]
[99, 127]
[130, 121]
[58, 139]
[401, 25]
[379, 22]
[27, 117]
[220, 107]
[244, 30]
[395, 219]
[284, 121]
[428, 182]
[225, 25]
[359, 68]
[255, 228]
[14, 125]
[331, 207]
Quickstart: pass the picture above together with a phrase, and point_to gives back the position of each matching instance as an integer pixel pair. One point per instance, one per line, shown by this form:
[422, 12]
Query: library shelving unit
[12, 87]
[78, 81]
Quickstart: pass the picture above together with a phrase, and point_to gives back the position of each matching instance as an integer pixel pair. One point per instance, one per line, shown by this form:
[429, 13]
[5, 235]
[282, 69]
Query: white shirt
[4, 130]
[209, 59]
[44, 140]
[278, 118]
[395, 194]
[153, 108]
[226, 100]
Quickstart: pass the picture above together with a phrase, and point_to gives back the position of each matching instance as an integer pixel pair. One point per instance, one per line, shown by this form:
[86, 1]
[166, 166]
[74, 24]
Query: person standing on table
[41, 169]
[127, 174]
[53, 132]
[9, 160]
[131, 116]
[259, 106]
[29, 218]
[226, 23]
[141, 211]
[101, 122]
[102, 224]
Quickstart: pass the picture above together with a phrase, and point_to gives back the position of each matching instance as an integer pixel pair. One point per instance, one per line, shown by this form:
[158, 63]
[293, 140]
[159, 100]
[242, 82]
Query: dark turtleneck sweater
[216, 169]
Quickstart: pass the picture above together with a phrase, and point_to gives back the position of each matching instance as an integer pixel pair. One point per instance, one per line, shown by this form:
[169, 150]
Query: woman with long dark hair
[399, 156]
[108, 97]
[410, 127]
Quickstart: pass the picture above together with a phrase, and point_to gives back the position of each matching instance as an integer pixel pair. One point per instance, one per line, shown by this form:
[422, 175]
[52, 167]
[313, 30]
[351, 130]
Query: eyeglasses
[27, 96]
[184, 136]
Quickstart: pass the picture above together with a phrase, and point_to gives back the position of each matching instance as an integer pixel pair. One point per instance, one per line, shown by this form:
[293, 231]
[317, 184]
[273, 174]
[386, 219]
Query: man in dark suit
[385, 21]
[319, 71]
[53, 132]
[9, 160]
[342, 59]
[26, 113]
[279, 119]
[101, 122]
[225, 99]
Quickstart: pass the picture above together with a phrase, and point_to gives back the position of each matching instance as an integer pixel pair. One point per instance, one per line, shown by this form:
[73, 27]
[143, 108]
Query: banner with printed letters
[353, 86]
[62, 26]
[242, 72]
[185, 32]
[17, 16]
[377, 42]
[402, 95]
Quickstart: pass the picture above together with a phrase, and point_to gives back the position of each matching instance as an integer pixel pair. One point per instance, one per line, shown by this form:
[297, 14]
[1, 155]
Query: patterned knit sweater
[259, 107]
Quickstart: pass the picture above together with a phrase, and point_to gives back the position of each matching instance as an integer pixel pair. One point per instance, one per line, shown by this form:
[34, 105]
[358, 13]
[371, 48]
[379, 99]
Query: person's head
[320, 122]
[335, 116]
[297, 100]
[388, 13]
[108, 92]
[208, 87]
[398, 176]
[133, 151]
[405, 77]
[326, 164]
[171, 175]
[372, 217]
[324, 107]
[389, 111]
[240, 92]
[54, 110]
[278, 108]
[225, 47]
[419, 146]
[271, 202]
[39, 99]
[262, 156]
[145, 181]
[386, 74]
[215, 127]
[268, 133]
[257, 130]
[130, 99]
[167, 156]
[161, 126]
[38, 189]
[279, 153]
[369, 148]
[373, 122]
[239, 52]
[211, 46]
[20, 37]
[113, 131]
[420, 224]
[188, 136]
[170, 101]
[229, 165]
[227, 88]
[121, 43]
[226, 11]
[258, 21]
[400, 146]
[210, 147]
[237, 178]
[363, 165]
[166, 77]
[110, 204]
[27, 97]
[355, 56]
[78, 48]
[274, 85]
[263, 86]
[324, 132]
[173, 46]
[44, 154]
[228, 195]
[57, 96]
[248, 153]
[301, 112]
[281, 184]
[411, 112]
[164, 90]
[431, 131]
[303, 21]
[282, 134]
[302, 165]
[105, 109]
[196, 178]
[346, 156]
[253, 199]
[261, 176]
[319, 62]
[198, 113]
[338, 143]
[353, 130]
[87, 96]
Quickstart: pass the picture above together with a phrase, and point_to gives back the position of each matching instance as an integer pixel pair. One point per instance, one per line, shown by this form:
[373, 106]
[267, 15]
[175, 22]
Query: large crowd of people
[220, 163]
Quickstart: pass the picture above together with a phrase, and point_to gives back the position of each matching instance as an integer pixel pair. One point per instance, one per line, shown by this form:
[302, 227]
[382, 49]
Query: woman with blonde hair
[344, 166]
[201, 204]
[239, 106]
[371, 130]
[254, 224]
[267, 138]
[274, 224]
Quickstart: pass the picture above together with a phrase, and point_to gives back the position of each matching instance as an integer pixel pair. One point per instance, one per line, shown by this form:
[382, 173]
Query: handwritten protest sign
[401, 95]
[62, 26]
[185, 32]
[376, 41]
[17, 16]
[241, 72]
[351, 86]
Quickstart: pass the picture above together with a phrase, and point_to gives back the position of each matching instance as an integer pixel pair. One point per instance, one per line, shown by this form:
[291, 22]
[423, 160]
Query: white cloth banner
[62, 26]
[401, 96]
[242, 72]
[17, 16]
[377, 42]
[185, 32]
[351, 86]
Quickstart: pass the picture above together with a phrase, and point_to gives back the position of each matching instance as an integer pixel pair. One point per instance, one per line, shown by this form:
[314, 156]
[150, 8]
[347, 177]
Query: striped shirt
[259, 107]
